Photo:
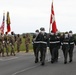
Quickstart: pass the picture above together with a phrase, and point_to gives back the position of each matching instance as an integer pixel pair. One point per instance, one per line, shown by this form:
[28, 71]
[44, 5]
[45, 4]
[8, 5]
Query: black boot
[36, 60]
[42, 63]
[70, 60]
[65, 62]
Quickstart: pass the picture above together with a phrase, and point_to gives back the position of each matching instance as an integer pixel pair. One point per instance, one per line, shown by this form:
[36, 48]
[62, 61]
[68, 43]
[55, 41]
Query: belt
[65, 43]
[55, 42]
[36, 42]
[72, 43]
[41, 42]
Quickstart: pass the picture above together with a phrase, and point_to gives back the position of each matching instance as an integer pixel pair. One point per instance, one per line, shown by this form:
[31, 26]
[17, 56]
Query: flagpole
[50, 18]
[52, 0]
[48, 51]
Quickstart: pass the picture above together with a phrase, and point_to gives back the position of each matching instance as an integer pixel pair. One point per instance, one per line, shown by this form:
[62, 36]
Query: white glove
[7, 41]
[3, 41]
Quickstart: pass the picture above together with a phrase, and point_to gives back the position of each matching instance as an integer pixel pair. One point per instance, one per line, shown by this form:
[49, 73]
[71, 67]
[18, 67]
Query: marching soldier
[57, 39]
[71, 43]
[35, 45]
[6, 43]
[1, 45]
[12, 43]
[65, 46]
[54, 46]
[19, 41]
[42, 39]
[27, 42]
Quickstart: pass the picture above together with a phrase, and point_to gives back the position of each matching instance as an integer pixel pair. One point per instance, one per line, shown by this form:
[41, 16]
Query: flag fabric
[8, 22]
[52, 20]
[3, 24]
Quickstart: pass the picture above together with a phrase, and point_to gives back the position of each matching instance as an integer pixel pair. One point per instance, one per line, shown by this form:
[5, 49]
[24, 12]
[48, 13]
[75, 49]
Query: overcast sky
[29, 15]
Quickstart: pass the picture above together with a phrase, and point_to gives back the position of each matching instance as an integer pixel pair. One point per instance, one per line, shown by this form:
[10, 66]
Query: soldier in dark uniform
[65, 46]
[35, 45]
[57, 40]
[54, 46]
[42, 39]
[71, 45]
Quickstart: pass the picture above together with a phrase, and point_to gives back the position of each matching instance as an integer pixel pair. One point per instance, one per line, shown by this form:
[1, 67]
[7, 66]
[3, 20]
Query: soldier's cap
[66, 32]
[42, 29]
[37, 30]
[70, 31]
[6, 32]
[18, 34]
[12, 32]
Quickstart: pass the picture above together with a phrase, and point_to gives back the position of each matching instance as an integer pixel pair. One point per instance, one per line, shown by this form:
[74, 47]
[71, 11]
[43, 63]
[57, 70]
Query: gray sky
[29, 15]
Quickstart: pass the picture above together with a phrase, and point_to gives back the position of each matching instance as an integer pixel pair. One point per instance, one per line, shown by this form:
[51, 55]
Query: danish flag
[52, 20]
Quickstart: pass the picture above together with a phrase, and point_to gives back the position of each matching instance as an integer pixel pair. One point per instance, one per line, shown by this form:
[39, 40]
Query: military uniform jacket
[54, 41]
[19, 41]
[65, 43]
[1, 39]
[71, 40]
[12, 39]
[34, 39]
[42, 39]
[27, 40]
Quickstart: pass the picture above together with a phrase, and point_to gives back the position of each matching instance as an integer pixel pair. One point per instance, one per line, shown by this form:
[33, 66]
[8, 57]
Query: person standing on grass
[27, 42]
[18, 41]
[6, 43]
[12, 43]
[1, 45]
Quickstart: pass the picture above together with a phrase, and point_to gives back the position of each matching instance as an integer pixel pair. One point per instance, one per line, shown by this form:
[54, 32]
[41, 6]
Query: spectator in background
[27, 42]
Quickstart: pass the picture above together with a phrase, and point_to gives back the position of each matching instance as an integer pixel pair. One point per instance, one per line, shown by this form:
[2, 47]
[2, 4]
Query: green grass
[22, 47]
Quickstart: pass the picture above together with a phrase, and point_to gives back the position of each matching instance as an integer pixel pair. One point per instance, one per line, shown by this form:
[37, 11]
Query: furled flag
[52, 20]
[8, 22]
[3, 24]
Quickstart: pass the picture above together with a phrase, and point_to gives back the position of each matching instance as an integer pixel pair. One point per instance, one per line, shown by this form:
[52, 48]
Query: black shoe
[70, 61]
[42, 63]
[36, 61]
[52, 61]
[65, 62]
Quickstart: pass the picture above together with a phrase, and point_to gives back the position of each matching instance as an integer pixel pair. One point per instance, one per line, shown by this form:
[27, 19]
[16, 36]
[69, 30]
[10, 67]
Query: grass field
[22, 47]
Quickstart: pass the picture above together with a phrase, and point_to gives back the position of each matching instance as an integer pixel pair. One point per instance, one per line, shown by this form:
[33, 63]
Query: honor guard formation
[53, 41]
[41, 42]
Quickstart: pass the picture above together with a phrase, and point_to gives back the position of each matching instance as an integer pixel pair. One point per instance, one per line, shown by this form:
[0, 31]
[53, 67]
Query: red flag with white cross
[52, 20]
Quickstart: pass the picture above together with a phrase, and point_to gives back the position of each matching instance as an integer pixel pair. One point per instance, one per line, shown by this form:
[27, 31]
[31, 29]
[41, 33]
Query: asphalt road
[23, 64]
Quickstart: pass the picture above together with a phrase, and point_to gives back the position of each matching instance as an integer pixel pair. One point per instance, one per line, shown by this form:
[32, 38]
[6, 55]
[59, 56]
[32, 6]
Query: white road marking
[16, 73]
[4, 59]
[1, 59]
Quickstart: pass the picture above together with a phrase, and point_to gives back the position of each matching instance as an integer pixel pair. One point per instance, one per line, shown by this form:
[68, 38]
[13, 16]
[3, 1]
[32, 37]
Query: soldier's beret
[66, 32]
[12, 32]
[37, 30]
[70, 31]
[5, 32]
[42, 29]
